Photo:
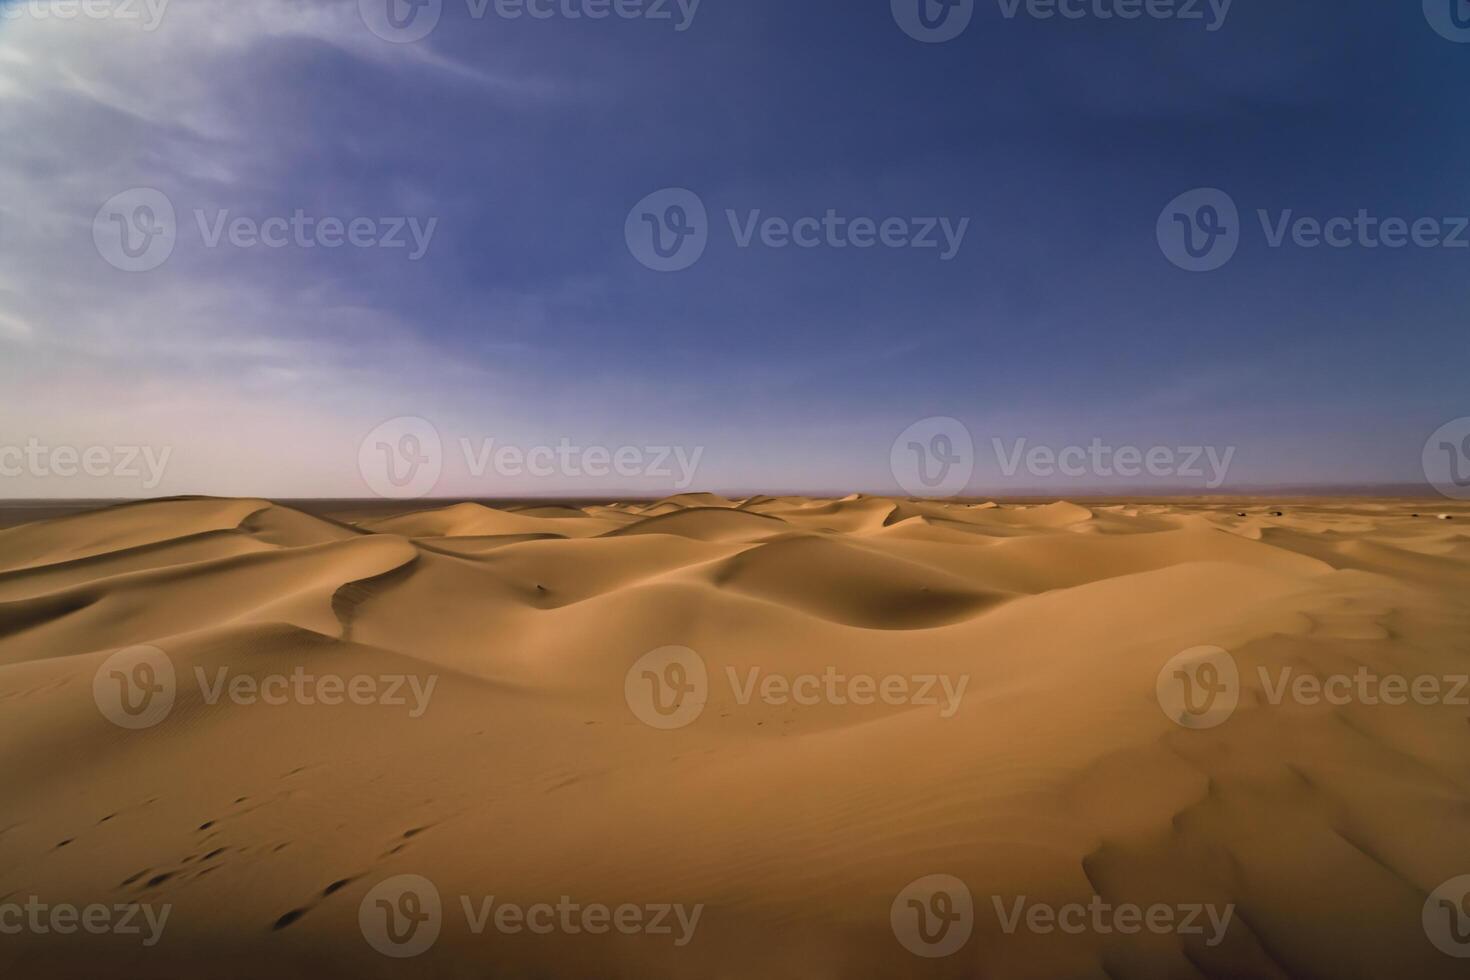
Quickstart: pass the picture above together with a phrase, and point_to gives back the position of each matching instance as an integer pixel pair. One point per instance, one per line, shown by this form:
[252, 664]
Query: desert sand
[1044, 763]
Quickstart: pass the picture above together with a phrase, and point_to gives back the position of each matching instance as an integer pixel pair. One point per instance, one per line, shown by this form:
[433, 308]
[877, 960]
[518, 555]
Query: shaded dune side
[288, 585]
[119, 527]
[40, 579]
[852, 585]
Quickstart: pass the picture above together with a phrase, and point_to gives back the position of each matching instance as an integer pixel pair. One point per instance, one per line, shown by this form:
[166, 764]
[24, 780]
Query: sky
[479, 248]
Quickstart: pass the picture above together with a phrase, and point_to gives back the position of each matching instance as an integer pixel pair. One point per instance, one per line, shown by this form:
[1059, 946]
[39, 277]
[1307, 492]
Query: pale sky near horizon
[367, 227]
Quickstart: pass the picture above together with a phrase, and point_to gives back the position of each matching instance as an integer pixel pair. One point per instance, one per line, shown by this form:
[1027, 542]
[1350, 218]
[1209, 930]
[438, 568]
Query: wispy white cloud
[14, 328]
[105, 105]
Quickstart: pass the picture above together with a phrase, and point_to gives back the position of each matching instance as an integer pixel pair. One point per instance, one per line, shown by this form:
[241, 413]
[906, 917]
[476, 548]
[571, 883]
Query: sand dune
[710, 524]
[789, 714]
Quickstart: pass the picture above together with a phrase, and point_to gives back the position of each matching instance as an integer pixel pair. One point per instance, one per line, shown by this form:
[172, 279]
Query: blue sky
[529, 320]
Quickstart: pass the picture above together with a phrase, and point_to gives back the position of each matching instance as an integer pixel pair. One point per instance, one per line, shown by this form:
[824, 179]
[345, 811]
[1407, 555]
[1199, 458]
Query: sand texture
[524, 753]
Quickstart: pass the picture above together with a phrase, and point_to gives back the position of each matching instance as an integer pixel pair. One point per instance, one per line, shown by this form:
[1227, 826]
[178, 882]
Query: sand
[773, 737]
